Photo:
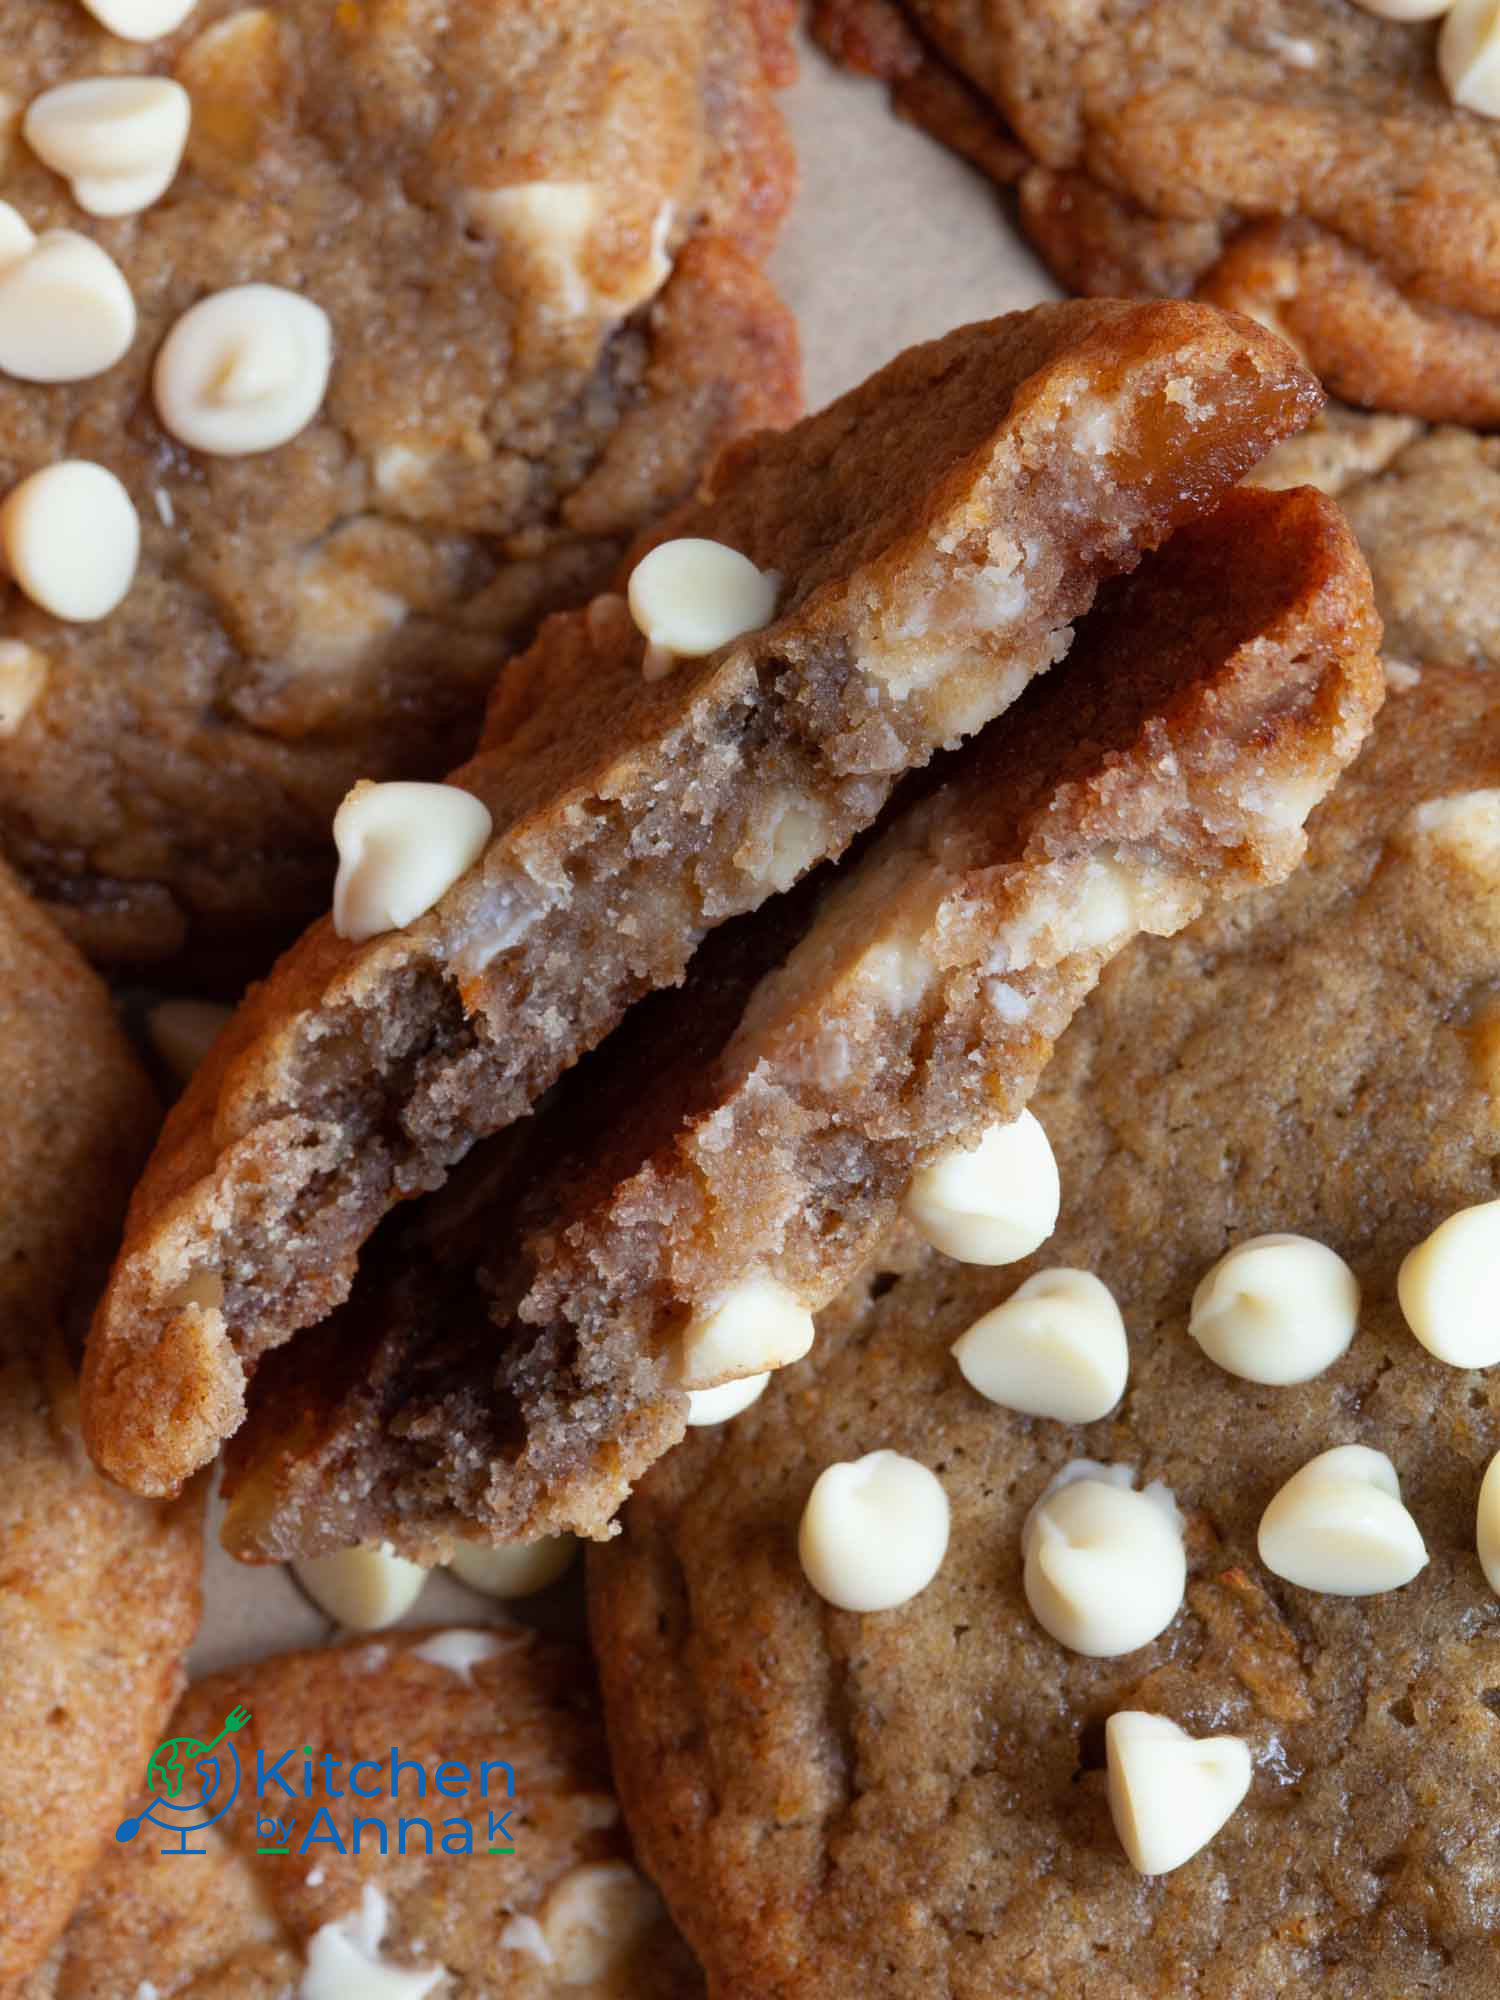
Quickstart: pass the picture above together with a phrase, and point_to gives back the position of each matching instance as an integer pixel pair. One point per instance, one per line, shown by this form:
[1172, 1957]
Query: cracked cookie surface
[914, 1801]
[537, 240]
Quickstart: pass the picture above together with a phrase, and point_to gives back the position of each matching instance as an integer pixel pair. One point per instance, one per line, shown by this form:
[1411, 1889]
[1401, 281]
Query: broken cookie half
[519, 1351]
[925, 544]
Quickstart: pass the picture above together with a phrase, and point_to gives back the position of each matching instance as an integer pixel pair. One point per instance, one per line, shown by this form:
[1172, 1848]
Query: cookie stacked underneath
[916, 1801]
[1306, 161]
[535, 1897]
[98, 1590]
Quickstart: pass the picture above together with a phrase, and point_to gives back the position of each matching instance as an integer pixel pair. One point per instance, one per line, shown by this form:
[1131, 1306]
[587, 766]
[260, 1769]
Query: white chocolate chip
[898, 972]
[553, 226]
[717, 1406]
[1449, 1288]
[201, 1289]
[1105, 1568]
[592, 1918]
[1276, 1309]
[140, 20]
[1487, 1525]
[1338, 1526]
[23, 675]
[66, 312]
[183, 1031]
[1405, 10]
[116, 140]
[1464, 824]
[525, 1934]
[648, 277]
[459, 1651]
[244, 370]
[758, 1325]
[71, 539]
[789, 836]
[401, 470]
[518, 1570]
[362, 1588]
[1055, 1348]
[16, 234]
[339, 610]
[549, 222]
[345, 1962]
[993, 1205]
[691, 596]
[401, 847]
[1469, 55]
[874, 1532]
[1169, 1793]
[1297, 50]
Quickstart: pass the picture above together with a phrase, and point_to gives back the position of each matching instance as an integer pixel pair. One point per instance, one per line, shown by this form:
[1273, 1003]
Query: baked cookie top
[1301, 160]
[534, 235]
[915, 1800]
[520, 1351]
[98, 1591]
[556, 1908]
[922, 547]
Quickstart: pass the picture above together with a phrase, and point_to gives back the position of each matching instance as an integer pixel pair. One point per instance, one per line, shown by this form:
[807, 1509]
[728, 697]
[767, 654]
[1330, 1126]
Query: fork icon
[234, 1721]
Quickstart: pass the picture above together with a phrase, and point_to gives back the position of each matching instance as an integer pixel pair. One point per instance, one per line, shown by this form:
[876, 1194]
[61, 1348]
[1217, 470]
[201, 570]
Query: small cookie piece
[818, 1056]
[550, 1904]
[921, 1796]
[1304, 163]
[1425, 505]
[98, 1591]
[934, 533]
[438, 308]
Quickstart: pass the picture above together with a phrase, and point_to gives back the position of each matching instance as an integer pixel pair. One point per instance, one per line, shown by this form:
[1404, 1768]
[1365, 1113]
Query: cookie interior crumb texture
[98, 1590]
[1299, 160]
[535, 234]
[920, 1796]
[766, 1119]
[935, 532]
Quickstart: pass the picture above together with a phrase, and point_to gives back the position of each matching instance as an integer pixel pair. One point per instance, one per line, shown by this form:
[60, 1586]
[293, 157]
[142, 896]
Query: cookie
[548, 1903]
[915, 1801]
[1305, 164]
[760, 1127]
[929, 539]
[537, 246]
[1425, 504]
[98, 1591]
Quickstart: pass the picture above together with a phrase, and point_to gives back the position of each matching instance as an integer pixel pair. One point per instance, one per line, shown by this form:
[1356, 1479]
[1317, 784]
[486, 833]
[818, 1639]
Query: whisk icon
[208, 1775]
